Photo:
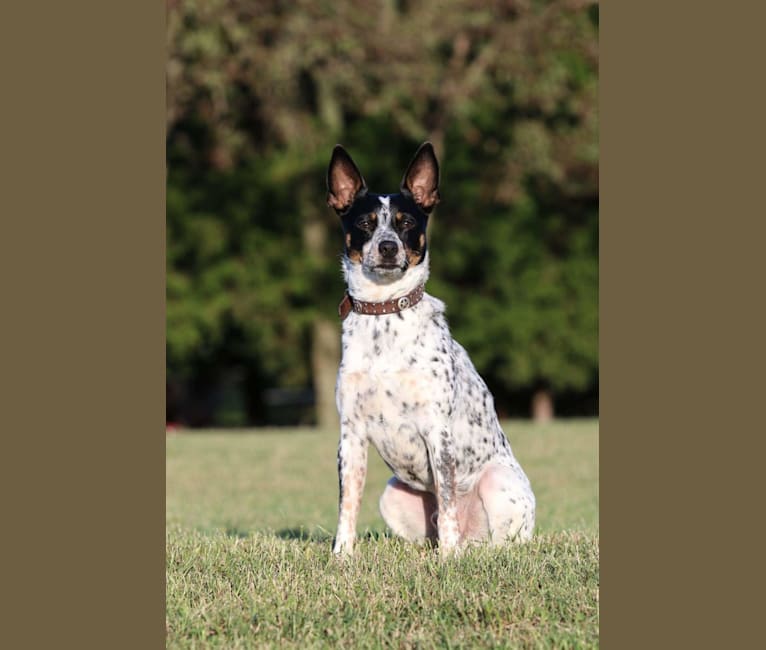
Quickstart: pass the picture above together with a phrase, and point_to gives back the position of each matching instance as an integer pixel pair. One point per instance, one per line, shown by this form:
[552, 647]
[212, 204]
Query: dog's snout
[388, 248]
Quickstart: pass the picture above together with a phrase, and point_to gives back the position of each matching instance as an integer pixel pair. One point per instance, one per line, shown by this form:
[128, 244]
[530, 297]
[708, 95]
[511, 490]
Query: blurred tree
[258, 92]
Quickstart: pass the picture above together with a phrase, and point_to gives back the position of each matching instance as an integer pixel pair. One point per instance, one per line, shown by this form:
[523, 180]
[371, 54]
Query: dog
[406, 386]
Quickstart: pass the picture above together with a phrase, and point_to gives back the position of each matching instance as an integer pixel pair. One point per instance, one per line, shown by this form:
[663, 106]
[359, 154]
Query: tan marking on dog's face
[359, 232]
[413, 236]
[414, 256]
[354, 254]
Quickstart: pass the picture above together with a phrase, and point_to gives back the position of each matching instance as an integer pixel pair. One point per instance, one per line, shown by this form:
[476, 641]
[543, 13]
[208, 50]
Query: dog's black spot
[447, 473]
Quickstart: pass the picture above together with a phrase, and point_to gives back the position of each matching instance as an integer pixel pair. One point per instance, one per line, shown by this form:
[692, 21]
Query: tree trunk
[542, 406]
[325, 357]
[325, 338]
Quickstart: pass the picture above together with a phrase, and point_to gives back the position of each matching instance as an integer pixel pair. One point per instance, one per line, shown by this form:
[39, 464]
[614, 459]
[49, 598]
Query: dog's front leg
[443, 467]
[352, 471]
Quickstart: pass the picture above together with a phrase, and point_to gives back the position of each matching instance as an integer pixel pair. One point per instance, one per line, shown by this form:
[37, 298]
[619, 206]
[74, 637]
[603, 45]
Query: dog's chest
[391, 410]
[394, 379]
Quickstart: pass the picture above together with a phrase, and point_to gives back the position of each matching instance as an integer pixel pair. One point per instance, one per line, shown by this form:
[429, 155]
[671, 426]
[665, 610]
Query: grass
[250, 519]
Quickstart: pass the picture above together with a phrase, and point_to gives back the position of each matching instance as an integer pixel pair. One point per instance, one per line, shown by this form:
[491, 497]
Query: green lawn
[250, 519]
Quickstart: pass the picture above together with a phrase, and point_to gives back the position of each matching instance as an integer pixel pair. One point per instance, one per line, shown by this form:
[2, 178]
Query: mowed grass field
[250, 521]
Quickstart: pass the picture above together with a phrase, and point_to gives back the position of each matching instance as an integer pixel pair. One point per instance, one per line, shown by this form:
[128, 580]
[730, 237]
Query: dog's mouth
[385, 271]
[390, 268]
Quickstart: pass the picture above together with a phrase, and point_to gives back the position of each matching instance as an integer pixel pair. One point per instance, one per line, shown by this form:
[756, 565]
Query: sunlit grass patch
[250, 521]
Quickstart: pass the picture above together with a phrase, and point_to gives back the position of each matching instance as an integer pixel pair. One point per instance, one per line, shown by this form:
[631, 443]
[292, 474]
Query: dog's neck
[363, 285]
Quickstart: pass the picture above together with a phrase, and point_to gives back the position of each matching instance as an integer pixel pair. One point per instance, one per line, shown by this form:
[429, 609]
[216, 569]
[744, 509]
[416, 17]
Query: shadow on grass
[320, 535]
[303, 534]
[239, 533]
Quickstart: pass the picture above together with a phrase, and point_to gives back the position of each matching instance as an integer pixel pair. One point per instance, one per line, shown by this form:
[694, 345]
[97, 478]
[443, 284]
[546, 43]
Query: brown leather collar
[378, 308]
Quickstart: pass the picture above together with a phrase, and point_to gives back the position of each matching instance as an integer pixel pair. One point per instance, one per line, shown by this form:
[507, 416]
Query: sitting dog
[407, 387]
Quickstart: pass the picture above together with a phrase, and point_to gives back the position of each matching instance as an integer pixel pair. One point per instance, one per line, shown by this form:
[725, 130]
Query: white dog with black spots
[406, 386]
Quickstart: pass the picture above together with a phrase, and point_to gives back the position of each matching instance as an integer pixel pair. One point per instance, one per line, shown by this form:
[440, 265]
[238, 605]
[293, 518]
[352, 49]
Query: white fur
[364, 284]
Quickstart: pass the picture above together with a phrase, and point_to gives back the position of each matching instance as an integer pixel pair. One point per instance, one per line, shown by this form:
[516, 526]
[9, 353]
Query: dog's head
[385, 234]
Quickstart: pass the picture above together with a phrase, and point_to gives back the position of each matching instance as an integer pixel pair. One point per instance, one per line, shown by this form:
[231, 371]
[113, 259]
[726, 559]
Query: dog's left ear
[421, 180]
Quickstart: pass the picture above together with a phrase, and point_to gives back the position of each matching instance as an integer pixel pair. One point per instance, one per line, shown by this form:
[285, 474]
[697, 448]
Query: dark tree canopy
[259, 93]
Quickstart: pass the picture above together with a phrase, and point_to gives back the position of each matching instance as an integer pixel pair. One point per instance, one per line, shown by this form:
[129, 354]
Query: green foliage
[259, 92]
[235, 273]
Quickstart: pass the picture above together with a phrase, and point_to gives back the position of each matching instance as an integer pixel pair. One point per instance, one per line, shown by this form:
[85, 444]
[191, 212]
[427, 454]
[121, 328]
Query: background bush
[259, 92]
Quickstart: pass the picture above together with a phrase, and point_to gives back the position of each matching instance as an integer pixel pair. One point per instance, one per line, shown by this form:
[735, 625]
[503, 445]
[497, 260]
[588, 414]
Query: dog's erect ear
[344, 181]
[421, 180]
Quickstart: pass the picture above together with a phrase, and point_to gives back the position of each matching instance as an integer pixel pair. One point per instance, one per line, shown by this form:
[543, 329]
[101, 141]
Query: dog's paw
[450, 552]
[343, 549]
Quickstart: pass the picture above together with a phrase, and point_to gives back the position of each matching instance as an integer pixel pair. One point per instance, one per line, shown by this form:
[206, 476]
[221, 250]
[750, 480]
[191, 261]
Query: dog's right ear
[344, 180]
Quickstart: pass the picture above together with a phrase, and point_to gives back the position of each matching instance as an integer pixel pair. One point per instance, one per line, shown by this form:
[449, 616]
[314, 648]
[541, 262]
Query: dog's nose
[388, 248]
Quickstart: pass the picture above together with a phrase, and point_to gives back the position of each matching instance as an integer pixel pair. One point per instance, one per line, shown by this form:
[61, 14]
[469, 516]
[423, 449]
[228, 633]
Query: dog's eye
[365, 222]
[407, 222]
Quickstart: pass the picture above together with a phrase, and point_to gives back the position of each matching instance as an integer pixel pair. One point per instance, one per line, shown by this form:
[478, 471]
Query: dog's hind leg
[409, 513]
[509, 503]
